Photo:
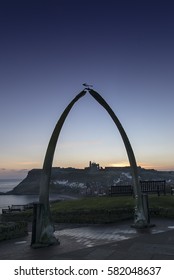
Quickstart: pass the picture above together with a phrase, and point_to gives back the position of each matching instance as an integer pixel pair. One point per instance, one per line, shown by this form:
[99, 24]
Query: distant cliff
[30, 185]
[82, 181]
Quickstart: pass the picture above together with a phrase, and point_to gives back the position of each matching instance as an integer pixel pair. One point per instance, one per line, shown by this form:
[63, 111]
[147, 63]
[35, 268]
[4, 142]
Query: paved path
[116, 241]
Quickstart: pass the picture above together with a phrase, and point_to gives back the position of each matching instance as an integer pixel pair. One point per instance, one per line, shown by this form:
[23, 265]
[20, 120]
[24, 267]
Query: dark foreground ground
[98, 242]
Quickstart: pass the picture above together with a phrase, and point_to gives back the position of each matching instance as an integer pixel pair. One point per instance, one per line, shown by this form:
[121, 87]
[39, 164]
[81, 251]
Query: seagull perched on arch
[87, 86]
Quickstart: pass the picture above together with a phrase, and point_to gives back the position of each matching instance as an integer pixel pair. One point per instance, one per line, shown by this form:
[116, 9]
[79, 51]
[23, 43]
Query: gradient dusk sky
[124, 48]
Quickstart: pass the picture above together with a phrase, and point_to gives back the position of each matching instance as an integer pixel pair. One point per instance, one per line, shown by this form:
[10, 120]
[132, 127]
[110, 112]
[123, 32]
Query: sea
[8, 200]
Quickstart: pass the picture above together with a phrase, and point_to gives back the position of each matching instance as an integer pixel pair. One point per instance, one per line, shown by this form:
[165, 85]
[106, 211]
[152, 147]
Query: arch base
[141, 213]
[42, 228]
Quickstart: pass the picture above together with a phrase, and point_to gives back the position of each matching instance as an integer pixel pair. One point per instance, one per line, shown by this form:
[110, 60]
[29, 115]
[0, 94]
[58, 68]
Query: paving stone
[117, 241]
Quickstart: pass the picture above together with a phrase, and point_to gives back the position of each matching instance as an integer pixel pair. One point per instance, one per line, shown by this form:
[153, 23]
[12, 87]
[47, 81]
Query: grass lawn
[94, 203]
[109, 203]
[164, 201]
[101, 209]
[108, 209]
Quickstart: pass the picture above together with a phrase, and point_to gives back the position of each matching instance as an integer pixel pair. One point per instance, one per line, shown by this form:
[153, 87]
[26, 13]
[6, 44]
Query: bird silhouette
[86, 85]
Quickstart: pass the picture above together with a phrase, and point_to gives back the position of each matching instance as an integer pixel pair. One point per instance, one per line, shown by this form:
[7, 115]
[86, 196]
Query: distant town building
[93, 167]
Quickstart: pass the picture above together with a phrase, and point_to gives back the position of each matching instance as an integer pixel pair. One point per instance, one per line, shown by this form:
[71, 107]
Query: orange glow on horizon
[119, 164]
[19, 166]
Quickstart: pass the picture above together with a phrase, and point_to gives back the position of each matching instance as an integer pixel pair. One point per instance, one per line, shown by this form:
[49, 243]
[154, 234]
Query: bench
[153, 187]
[13, 208]
[146, 187]
[121, 190]
[172, 190]
[17, 208]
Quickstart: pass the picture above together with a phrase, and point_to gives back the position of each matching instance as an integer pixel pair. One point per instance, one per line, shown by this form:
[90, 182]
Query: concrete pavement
[98, 242]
